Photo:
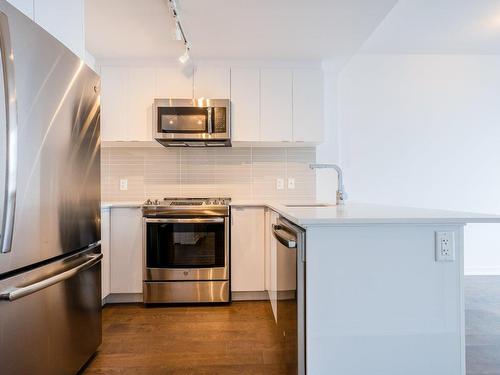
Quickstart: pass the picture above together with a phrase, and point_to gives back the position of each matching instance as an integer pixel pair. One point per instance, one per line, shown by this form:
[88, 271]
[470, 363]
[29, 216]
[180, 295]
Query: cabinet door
[247, 249]
[173, 82]
[308, 105]
[105, 249]
[114, 85]
[245, 104]
[126, 250]
[276, 105]
[25, 6]
[140, 96]
[273, 292]
[63, 19]
[267, 249]
[212, 82]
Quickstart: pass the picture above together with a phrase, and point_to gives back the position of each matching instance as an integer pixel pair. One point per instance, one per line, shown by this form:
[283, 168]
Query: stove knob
[156, 202]
[148, 202]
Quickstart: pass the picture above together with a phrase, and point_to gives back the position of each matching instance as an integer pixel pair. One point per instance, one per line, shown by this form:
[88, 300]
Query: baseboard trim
[482, 271]
[260, 295]
[122, 298]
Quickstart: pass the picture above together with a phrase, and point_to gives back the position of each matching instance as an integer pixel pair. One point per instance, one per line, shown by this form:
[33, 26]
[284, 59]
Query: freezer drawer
[56, 329]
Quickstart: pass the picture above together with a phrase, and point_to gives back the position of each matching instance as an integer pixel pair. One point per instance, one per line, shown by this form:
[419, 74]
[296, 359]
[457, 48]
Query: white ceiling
[232, 29]
[439, 27]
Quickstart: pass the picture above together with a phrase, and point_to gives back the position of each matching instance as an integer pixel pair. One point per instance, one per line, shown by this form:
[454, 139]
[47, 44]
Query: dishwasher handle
[284, 237]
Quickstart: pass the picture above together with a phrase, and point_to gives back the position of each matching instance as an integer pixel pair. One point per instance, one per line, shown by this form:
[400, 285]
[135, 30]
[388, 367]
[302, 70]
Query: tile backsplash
[239, 173]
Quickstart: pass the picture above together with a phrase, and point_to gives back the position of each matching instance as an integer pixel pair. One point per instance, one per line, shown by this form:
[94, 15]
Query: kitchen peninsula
[377, 300]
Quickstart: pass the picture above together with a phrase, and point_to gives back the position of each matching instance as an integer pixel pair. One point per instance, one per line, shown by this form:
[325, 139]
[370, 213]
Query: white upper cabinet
[62, 18]
[174, 82]
[25, 6]
[245, 104]
[276, 105]
[269, 106]
[140, 96]
[126, 103]
[212, 82]
[114, 85]
[65, 20]
[308, 105]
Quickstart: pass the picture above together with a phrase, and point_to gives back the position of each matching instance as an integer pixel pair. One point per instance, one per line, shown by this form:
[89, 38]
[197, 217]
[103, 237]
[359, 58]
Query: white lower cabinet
[247, 249]
[271, 260]
[105, 249]
[126, 250]
[273, 264]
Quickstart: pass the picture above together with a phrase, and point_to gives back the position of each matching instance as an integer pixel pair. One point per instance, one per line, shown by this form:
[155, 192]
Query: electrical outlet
[123, 184]
[280, 184]
[291, 183]
[445, 246]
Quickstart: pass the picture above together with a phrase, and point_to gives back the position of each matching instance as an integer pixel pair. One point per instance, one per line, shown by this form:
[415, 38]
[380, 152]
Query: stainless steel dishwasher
[290, 285]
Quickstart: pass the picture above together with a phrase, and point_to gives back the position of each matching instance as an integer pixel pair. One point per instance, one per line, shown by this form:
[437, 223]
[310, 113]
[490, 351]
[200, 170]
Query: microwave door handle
[209, 120]
[9, 197]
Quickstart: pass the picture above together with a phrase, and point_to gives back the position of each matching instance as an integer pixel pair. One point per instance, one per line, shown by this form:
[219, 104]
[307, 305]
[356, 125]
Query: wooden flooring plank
[239, 338]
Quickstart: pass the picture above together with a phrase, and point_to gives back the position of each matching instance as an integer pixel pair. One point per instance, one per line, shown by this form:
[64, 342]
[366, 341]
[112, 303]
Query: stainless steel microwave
[192, 122]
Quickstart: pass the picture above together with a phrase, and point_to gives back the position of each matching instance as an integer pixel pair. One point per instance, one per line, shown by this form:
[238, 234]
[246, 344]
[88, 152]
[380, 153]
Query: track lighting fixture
[184, 58]
[179, 31]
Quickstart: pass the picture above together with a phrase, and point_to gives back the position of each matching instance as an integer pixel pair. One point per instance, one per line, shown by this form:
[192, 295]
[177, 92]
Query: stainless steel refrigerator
[50, 273]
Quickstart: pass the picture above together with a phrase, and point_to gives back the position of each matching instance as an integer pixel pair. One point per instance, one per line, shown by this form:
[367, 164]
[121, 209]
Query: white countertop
[358, 213]
[354, 213]
[129, 204]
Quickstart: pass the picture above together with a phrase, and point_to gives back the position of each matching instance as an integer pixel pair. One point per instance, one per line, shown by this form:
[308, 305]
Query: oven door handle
[194, 220]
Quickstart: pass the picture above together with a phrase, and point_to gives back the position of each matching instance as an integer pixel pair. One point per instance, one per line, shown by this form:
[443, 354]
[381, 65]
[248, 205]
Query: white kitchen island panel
[378, 303]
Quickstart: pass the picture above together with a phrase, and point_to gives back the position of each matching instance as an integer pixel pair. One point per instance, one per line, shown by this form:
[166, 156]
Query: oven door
[186, 248]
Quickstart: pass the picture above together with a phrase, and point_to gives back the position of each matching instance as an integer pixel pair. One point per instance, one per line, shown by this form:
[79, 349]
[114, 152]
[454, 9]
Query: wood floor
[241, 338]
[232, 339]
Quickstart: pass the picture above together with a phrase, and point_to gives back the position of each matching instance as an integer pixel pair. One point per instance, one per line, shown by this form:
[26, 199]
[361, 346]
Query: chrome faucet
[341, 194]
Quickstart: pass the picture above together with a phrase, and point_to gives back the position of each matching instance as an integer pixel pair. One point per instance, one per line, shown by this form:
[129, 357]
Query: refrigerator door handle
[9, 197]
[16, 293]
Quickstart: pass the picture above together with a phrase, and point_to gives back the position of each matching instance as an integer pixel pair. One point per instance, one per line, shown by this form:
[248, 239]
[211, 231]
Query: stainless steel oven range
[186, 250]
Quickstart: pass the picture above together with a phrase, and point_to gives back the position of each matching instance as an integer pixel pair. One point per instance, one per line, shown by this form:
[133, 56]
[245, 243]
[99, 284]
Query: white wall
[424, 130]
[328, 151]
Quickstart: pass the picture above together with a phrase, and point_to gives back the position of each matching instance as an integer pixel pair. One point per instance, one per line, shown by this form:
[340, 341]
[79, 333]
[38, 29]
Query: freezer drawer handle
[283, 237]
[9, 197]
[16, 293]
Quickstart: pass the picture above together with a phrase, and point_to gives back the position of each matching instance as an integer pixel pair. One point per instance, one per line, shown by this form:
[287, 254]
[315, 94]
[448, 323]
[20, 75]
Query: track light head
[184, 58]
